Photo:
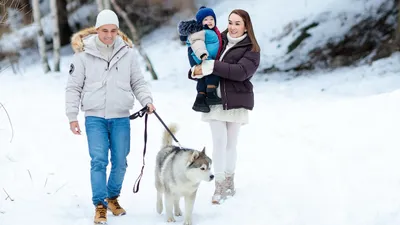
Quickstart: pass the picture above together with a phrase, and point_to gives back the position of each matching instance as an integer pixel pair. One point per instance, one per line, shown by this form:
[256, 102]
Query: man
[104, 79]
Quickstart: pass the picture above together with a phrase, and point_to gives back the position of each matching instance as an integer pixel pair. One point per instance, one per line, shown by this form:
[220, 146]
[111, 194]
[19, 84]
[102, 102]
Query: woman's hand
[197, 70]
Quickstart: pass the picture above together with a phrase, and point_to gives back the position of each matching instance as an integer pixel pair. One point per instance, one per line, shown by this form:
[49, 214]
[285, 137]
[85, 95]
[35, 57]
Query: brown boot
[101, 214]
[114, 207]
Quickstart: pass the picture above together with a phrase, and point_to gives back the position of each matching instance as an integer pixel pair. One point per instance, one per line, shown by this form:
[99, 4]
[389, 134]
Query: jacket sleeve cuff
[72, 117]
[207, 66]
[192, 74]
[147, 101]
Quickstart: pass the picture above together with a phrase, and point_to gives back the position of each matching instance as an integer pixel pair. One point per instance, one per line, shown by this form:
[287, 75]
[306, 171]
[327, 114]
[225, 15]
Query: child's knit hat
[203, 13]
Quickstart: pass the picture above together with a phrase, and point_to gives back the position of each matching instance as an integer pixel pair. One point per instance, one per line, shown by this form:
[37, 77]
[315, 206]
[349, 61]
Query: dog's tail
[167, 138]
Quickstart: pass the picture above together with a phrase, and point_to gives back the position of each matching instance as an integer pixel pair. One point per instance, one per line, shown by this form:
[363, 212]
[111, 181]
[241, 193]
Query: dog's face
[199, 166]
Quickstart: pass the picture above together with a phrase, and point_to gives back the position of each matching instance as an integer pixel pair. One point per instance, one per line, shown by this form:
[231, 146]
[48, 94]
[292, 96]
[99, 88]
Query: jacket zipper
[226, 95]
[108, 62]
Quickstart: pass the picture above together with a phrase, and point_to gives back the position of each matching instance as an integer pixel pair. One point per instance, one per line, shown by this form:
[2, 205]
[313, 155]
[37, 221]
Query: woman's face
[236, 26]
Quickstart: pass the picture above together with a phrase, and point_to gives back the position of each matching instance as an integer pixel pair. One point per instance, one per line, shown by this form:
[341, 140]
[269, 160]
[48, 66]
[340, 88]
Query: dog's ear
[194, 156]
[203, 151]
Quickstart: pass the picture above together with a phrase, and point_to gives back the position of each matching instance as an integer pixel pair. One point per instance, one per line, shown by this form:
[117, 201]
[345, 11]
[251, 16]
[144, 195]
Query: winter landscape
[321, 148]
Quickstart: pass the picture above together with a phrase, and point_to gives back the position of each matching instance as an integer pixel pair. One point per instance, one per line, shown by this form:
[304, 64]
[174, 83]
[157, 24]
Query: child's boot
[200, 104]
[212, 97]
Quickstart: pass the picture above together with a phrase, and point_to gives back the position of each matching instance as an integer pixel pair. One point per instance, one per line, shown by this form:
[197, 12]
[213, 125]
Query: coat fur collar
[77, 38]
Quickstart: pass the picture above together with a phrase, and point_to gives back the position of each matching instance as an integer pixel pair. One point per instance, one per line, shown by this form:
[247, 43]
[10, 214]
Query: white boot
[219, 193]
[229, 184]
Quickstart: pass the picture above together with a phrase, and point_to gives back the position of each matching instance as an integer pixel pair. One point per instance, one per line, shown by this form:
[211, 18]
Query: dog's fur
[179, 173]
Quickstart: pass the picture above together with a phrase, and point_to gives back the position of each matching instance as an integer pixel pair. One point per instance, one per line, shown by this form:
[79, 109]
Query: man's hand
[150, 108]
[74, 127]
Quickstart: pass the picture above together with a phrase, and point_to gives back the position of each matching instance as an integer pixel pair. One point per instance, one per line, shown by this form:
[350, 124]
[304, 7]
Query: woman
[238, 62]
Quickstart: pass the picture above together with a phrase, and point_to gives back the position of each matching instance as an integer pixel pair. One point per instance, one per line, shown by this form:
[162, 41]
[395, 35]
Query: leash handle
[137, 182]
[139, 113]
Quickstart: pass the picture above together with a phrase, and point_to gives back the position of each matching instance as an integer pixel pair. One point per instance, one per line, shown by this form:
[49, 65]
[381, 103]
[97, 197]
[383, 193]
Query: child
[204, 42]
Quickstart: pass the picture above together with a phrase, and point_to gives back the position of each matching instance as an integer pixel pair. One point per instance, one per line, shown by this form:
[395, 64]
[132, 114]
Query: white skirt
[217, 112]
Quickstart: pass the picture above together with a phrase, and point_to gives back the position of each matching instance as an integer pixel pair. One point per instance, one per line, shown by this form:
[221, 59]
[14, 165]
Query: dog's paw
[178, 212]
[171, 220]
[159, 208]
[187, 222]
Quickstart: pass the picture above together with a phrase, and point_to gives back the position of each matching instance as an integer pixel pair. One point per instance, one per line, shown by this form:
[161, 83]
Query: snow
[11, 42]
[321, 149]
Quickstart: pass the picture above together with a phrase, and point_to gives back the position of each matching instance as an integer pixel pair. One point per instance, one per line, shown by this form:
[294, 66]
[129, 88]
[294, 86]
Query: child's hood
[185, 28]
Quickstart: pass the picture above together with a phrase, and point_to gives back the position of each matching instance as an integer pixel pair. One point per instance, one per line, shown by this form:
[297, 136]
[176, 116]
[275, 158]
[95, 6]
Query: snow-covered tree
[56, 34]
[41, 38]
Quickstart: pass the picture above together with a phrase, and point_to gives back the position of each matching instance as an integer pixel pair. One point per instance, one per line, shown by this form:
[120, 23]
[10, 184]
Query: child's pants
[207, 80]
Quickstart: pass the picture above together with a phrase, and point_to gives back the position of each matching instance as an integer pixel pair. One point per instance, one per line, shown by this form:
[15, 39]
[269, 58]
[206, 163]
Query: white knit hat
[106, 16]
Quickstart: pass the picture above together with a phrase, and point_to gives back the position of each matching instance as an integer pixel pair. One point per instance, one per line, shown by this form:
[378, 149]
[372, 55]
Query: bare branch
[23, 8]
[30, 175]
[29, 11]
[9, 119]
[45, 183]
[60, 188]
[148, 13]
[3, 10]
[9, 158]
[135, 37]
[8, 196]
[129, 23]
[3, 69]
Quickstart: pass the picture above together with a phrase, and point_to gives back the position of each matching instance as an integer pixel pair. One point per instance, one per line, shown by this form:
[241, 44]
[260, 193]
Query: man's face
[107, 33]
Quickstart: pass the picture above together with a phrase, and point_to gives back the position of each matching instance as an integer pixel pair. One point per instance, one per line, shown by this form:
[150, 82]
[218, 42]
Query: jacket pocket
[244, 86]
[124, 96]
[93, 98]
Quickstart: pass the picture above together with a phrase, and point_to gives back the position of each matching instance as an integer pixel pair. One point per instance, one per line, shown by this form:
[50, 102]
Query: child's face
[209, 21]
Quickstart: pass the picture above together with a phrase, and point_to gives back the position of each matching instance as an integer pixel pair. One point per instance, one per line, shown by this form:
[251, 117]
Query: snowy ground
[319, 150]
[307, 157]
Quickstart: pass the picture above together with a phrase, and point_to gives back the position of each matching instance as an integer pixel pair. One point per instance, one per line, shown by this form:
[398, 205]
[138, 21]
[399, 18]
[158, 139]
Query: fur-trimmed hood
[185, 28]
[77, 39]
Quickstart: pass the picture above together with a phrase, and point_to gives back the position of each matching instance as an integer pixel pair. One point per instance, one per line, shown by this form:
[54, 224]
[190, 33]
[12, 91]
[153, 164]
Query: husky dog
[178, 173]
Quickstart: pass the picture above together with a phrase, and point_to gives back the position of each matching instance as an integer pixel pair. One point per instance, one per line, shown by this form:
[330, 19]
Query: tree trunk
[26, 9]
[398, 24]
[56, 35]
[41, 40]
[100, 5]
[3, 14]
[63, 26]
[107, 4]
[135, 37]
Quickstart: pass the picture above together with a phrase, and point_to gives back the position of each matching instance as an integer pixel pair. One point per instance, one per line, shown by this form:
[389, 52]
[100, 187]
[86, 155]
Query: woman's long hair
[249, 27]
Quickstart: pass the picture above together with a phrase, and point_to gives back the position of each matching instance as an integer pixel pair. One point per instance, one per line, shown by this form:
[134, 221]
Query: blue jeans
[104, 135]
